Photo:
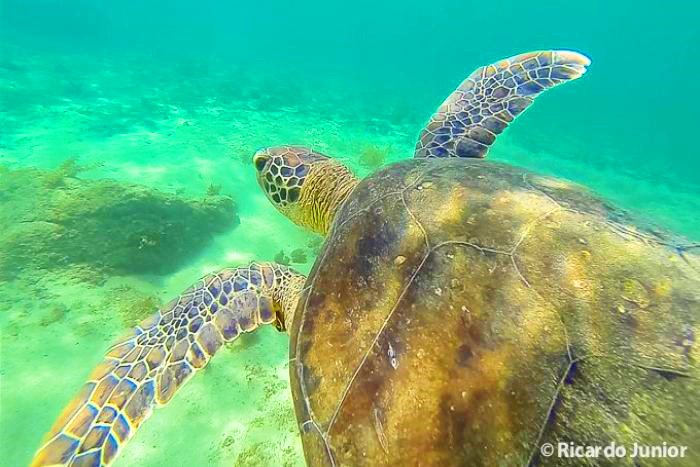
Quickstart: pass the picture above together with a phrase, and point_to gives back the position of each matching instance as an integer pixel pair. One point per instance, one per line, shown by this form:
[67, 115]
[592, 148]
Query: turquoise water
[176, 96]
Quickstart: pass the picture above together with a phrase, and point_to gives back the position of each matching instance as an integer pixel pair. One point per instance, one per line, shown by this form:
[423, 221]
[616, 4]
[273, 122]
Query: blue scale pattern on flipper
[207, 298]
[490, 98]
[226, 322]
[255, 278]
[494, 125]
[110, 449]
[88, 459]
[215, 287]
[151, 360]
[266, 311]
[107, 415]
[196, 324]
[61, 449]
[122, 392]
[197, 357]
[469, 148]
[140, 402]
[529, 88]
[94, 439]
[239, 284]
[181, 371]
[210, 339]
[83, 420]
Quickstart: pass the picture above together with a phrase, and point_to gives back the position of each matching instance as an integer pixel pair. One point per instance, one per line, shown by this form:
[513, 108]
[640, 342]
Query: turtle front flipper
[146, 368]
[467, 123]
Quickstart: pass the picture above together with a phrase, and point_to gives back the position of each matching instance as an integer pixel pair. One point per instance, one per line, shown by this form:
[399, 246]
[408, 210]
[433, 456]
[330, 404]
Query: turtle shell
[465, 312]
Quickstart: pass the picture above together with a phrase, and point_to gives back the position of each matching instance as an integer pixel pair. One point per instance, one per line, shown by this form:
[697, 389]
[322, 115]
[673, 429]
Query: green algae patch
[372, 156]
[132, 305]
[51, 219]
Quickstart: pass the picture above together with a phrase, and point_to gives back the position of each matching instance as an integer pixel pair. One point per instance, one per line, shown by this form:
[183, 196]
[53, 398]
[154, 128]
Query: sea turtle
[461, 312]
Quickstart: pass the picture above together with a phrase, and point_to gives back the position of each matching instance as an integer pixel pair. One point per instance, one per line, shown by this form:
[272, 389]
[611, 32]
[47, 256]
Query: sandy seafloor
[182, 129]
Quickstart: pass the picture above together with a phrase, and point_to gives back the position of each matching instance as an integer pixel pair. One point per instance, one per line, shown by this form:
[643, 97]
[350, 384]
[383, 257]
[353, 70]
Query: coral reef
[214, 190]
[297, 256]
[52, 219]
[69, 168]
[314, 245]
[132, 305]
[282, 258]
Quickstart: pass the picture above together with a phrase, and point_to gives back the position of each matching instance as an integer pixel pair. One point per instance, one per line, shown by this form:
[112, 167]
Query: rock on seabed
[51, 221]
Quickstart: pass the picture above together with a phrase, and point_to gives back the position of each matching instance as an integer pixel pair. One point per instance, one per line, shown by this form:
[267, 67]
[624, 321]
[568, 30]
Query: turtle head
[302, 184]
[282, 171]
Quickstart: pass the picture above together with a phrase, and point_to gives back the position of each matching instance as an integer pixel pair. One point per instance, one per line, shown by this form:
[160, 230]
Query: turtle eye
[260, 161]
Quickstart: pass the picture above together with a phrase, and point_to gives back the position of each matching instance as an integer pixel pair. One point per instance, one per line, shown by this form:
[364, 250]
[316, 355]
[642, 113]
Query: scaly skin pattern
[475, 311]
[471, 118]
[147, 367]
[304, 185]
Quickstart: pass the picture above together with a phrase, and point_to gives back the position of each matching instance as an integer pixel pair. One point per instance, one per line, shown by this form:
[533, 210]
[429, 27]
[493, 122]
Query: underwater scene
[127, 136]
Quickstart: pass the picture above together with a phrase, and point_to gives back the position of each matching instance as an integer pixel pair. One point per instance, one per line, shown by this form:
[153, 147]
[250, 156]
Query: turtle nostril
[260, 161]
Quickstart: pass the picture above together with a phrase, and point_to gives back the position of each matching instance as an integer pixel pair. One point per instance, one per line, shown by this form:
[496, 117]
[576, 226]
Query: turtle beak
[260, 160]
